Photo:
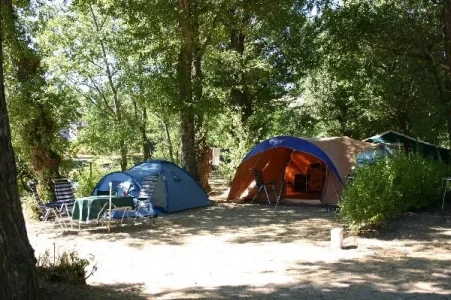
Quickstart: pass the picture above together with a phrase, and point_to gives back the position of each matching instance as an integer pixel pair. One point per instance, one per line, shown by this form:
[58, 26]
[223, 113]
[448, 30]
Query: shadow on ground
[376, 278]
[282, 225]
[301, 291]
[390, 277]
[431, 225]
[58, 291]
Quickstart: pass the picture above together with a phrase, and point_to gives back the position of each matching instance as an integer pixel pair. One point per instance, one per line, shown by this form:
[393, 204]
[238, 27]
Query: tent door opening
[304, 176]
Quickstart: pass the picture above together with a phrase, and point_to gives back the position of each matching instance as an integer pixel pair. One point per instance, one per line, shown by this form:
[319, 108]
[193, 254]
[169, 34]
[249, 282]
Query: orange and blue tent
[299, 168]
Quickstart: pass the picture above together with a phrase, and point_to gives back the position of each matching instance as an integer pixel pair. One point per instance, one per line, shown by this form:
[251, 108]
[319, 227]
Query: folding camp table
[88, 208]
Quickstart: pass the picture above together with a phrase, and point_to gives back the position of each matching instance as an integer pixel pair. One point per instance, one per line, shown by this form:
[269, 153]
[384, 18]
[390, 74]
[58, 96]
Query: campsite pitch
[253, 251]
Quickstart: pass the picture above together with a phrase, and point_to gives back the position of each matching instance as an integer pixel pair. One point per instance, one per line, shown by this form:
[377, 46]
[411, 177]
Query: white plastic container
[336, 238]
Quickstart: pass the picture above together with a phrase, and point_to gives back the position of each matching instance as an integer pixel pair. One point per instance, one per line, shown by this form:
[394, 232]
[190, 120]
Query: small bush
[231, 160]
[86, 179]
[390, 187]
[65, 268]
[30, 208]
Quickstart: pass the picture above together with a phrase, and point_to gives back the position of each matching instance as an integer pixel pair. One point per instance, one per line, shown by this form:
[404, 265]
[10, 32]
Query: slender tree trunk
[240, 96]
[18, 278]
[447, 61]
[145, 143]
[185, 81]
[145, 140]
[142, 129]
[168, 136]
[123, 148]
[116, 102]
[123, 145]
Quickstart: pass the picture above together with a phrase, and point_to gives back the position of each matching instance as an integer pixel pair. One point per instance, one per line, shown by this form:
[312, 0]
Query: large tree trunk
[204, 165]
[45, 161]
[18, 278]
[185, 81]
[36, 132]
[189, 153]
[202, 149]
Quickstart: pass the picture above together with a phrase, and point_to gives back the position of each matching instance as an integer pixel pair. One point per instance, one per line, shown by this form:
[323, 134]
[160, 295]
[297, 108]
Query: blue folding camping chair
[46, 210]
[144, 207]
[64, 192]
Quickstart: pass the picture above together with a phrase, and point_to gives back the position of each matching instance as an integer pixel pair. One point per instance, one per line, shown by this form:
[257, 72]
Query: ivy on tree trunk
[18, 279]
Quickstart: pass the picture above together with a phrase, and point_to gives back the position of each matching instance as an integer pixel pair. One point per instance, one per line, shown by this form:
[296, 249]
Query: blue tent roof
[296, 144]
[141, 170]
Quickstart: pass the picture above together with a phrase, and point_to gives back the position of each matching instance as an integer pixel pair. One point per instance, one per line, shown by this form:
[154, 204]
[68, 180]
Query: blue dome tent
[175, 189]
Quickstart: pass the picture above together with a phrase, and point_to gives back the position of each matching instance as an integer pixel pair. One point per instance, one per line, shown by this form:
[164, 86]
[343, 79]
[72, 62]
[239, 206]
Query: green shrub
[390, 187]
[65, 268]
[30, 207]
[86, 178]
[231, 162]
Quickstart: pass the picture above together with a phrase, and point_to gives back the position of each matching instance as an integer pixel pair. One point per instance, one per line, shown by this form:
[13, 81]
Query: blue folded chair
[65, 196]
[144, 208]
[46, 210]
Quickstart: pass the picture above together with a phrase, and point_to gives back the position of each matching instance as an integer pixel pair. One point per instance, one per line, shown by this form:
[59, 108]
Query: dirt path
[253, 251]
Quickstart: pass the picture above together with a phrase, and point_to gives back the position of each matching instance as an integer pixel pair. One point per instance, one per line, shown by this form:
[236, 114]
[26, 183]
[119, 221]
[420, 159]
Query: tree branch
[102, 95]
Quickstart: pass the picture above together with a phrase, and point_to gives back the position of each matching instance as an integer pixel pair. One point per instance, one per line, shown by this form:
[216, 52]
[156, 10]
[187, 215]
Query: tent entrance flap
[159, 199]
[271, 162]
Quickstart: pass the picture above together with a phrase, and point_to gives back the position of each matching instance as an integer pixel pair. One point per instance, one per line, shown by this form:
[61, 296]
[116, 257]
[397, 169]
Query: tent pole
[283, 178]
[109, 205]
[324, 184]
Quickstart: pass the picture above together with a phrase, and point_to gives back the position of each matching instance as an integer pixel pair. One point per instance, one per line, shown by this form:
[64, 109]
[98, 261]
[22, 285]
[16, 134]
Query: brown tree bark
[447, 62]
[18, 278]
[142, 129]
[45, 161]
[145, 140]
[168, 137]
[204, 166]
[189, 153]
[185, 81]
[202, 149]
